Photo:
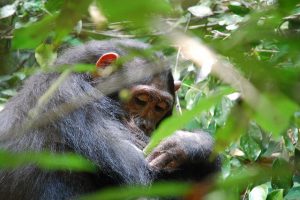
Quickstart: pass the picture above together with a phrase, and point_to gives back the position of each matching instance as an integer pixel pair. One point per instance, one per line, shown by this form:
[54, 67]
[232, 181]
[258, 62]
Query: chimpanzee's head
[152, 96]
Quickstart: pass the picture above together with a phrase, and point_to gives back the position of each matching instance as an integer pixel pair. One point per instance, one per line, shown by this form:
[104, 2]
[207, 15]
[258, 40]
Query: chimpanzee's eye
[141, 100]
[161, 107]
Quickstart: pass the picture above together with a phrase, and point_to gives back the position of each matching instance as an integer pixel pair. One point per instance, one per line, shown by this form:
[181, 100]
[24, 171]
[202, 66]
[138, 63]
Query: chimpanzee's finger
[153, 155]
[164, 146]
[171, 160]
[161, 161]
[174, 164]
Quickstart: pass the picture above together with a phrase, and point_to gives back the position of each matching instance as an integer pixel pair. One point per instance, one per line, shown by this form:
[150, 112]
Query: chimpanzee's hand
[181, 148]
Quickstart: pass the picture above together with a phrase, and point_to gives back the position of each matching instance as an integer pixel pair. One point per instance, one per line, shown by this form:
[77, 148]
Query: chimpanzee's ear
[177, 85]
[106, 59]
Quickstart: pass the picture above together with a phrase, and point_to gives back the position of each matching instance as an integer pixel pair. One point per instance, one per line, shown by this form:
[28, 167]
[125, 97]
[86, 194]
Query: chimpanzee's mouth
[144, 125]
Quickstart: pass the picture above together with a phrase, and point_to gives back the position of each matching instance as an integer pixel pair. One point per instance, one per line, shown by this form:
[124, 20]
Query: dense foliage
[245, 93]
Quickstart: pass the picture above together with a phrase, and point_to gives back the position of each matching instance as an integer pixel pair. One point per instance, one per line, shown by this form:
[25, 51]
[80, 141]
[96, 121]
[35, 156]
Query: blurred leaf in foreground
[32, 35]
[45, 160]
[133, 10]
[274, 112]
[156, 190]
[53, 5]
[170, 125]
[69, 15]
[45, 55]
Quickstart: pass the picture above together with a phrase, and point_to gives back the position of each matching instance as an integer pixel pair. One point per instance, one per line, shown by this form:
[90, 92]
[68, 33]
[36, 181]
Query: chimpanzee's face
[151, 99]
[149, 103]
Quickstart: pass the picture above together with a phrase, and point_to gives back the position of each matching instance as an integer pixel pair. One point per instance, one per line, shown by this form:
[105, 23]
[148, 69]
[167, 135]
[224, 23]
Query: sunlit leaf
[200, 11]
[259, 192]
[250, 147]
[7, 11]
[275, 195]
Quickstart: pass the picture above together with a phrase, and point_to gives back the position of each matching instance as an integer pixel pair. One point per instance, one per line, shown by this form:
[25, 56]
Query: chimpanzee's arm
[91, 130]
[94, 131]
[103, 142]
[184, 156]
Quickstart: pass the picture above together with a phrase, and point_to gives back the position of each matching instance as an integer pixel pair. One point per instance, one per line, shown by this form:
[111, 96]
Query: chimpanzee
[99, 126]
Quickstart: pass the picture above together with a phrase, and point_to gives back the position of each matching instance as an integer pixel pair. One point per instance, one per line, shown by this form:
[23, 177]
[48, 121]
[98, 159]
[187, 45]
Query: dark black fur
[93, 128]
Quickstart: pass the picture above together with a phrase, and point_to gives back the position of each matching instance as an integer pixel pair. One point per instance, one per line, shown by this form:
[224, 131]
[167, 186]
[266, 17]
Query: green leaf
[275, 195]
[134, 192]
[283, 176]
[226, 167]
[200, 11]
[170, 125]
[274, 112]
[238, 8]
[45, 160]
[45, 55]
[32, 35]
[54, 5]
[78, 68]
[62, 24]
[133, 10]
[288, 142]
[250, 147]
[7, 11]
[259, 192]
[9, 92]
[287, 5]
[241, 177]
[81, 68]
[297, 156]
[69, 15]
[235, 126]
[293, 194]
